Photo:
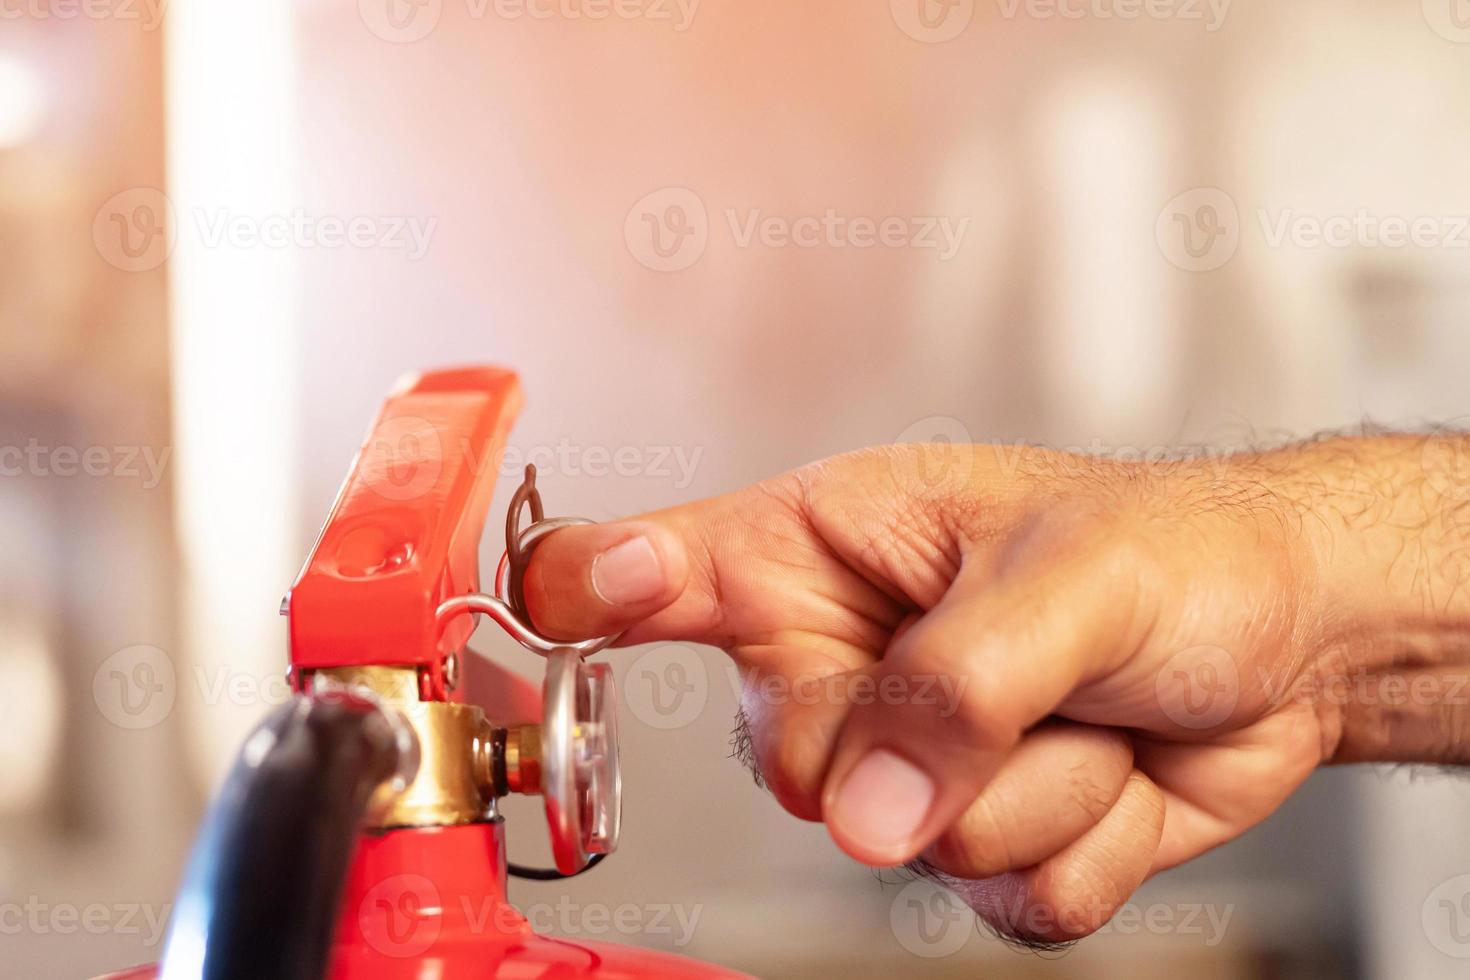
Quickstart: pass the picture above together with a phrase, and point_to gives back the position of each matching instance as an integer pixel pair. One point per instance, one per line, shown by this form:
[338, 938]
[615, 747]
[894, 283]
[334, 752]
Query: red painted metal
[404, 533]
[431, 904]
[403, 536]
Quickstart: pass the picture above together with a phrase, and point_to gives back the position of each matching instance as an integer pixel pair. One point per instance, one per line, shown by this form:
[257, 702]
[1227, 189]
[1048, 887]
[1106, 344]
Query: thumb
[599, 579]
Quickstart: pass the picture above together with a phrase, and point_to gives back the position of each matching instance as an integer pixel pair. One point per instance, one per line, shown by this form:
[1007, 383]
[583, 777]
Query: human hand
[1047, 676]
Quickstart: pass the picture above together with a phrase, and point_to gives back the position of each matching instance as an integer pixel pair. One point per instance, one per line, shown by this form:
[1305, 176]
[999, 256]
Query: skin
[1076, 673]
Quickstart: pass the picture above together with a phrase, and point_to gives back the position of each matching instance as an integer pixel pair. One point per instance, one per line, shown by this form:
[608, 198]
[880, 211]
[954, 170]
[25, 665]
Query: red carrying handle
[404, 533]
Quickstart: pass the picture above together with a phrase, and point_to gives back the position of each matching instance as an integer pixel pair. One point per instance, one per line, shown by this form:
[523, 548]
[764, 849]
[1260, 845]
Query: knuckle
[963, 705]
[1128, 558]
[981, 717]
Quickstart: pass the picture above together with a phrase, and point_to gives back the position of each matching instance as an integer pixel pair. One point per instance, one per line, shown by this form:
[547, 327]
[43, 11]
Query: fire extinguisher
[358, 835]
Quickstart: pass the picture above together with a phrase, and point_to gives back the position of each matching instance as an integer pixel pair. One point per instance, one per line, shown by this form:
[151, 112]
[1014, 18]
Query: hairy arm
[1388, 522]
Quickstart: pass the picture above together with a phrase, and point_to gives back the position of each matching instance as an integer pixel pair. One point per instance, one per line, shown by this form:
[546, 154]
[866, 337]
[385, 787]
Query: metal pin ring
[503, 608]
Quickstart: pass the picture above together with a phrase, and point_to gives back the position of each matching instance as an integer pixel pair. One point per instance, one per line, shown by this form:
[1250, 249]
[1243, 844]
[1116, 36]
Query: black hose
[261, 892]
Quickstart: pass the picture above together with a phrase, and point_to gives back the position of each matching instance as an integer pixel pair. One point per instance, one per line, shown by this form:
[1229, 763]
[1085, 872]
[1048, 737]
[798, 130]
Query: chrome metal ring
[581, 777]
[559, 789]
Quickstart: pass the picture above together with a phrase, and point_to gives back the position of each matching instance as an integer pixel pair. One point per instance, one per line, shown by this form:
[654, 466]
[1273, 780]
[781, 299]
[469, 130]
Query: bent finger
[1058, 783]
[1077, 891]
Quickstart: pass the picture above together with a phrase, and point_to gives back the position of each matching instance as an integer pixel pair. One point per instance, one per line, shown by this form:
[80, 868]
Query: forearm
[1386, 521]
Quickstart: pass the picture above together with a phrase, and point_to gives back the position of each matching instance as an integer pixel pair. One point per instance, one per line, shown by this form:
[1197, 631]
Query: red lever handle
[404, 533]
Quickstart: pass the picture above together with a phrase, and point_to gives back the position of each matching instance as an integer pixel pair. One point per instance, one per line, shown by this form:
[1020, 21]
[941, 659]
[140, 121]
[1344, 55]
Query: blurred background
[718, 238]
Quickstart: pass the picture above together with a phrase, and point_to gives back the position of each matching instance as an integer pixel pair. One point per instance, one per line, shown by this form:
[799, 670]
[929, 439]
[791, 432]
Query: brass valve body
[465, 763]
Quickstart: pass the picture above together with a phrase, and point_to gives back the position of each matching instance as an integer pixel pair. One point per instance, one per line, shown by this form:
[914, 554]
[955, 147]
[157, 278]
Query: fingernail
[883, 801]
[628, 573]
